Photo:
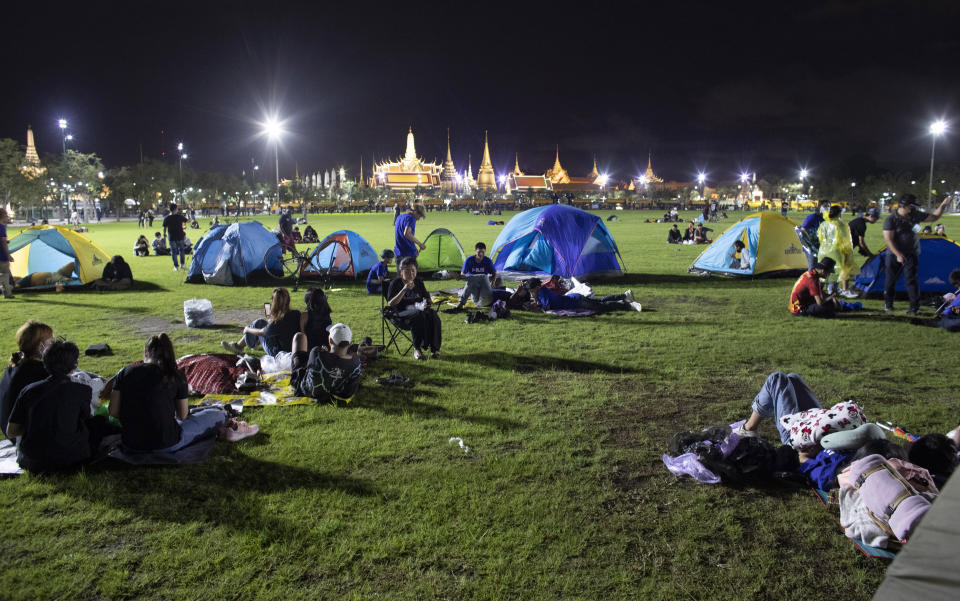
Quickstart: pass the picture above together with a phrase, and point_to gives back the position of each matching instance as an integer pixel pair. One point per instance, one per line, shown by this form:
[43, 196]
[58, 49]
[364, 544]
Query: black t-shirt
[286, 224]
[174, 225]
[14, 380]
[674, 235]
[417, 294]
[148, 407]
[54, 414]
[316, 329]
[329, 375]
[117, 272]
[904, 237]
[279, 334]
[858, 229]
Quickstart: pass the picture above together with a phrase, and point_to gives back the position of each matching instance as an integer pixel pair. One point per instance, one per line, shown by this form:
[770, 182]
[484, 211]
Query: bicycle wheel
[281, 262]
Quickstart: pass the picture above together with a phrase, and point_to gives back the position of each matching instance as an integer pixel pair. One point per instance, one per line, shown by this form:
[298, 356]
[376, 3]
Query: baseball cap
[827, 265]
[908, 200]
[339, 333]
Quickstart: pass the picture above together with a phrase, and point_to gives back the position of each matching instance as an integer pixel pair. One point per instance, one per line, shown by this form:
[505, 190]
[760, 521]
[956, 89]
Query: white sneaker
[744, 433]
[628, 294]
[175, 268]
[848, 294]
[636, 306]
[233, 347]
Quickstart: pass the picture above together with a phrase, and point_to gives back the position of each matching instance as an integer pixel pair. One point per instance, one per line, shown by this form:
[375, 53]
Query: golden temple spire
[31, 158]
[486, 179]
[449, 156]
[486, 153]
[516, 165]
[595, 173]
[556, 163]
[411, 154]
[448, 177]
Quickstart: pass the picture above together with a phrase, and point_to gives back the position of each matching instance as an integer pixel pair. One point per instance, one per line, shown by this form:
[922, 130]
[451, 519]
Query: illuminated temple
[408, 173]
[519, 182]
[563, 182]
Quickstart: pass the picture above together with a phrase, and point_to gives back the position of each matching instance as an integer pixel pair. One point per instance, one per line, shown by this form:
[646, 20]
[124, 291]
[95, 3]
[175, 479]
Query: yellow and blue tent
[50, 249]
[768, 237]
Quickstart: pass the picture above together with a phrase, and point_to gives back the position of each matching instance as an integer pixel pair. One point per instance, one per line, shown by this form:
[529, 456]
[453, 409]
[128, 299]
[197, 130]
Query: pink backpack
[893, 503]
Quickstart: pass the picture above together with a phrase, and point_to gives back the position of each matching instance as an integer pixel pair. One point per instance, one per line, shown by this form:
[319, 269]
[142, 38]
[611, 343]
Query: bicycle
[286, 261]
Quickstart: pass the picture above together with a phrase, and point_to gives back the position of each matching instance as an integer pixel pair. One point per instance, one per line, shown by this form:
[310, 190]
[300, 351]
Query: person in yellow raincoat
[835, 243]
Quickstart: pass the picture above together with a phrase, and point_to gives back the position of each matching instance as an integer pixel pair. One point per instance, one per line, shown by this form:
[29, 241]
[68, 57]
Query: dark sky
[703, 85]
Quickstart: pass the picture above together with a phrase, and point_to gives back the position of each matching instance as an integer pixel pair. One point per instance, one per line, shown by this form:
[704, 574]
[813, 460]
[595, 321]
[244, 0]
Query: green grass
[563, 494]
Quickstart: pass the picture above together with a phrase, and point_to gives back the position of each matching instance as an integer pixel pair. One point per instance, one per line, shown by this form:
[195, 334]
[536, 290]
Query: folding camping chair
[391, 332]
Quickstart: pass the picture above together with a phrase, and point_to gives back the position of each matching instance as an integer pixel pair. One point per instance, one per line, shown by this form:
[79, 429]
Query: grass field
[563, 494]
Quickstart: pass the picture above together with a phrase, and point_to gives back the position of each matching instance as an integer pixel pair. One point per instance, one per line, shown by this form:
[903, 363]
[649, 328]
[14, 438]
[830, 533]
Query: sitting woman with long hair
[409, 297]
[142, 247]
[26, 365]
[273, 334]
[150, 400]
[315, 321]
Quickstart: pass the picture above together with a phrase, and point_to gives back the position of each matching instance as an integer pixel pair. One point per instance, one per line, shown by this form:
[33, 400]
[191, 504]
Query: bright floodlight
[643, 180]
[744, 177]
[603, 179]
[184, 155]
[803, 174]
[701, 178]
[180, 146]
[503, 178]
[938, 127]
[62, 123]
[272, 128]
[70, 136]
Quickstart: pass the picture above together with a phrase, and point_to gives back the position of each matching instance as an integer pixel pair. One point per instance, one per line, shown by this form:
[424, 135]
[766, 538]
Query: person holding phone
[273, 334]
[410, 298]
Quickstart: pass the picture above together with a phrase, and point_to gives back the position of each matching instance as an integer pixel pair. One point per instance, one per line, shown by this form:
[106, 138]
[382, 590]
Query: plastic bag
[282, 361]
[198, 312]
[688, 465]
[94, 381]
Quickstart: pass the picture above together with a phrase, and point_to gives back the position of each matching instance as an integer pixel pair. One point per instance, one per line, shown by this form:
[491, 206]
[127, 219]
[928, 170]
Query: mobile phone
[266, 309]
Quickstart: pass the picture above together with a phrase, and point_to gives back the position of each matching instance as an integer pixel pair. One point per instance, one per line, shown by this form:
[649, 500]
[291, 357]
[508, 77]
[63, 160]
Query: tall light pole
[182, 155]
[62, 123]
[937, 128]
[272, 128]
[701, 177]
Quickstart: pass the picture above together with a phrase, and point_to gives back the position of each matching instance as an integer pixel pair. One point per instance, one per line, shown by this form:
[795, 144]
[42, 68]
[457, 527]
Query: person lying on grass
[412, 302]
[52, 417]
[150, 400]
[26, 365]
[807, 296]
[548, 300]
[273, 334]
[328, 373]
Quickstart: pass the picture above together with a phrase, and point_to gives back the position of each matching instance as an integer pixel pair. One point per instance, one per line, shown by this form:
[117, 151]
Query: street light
[273, 129]
[62, 123]
[182, 155]
[937, 128]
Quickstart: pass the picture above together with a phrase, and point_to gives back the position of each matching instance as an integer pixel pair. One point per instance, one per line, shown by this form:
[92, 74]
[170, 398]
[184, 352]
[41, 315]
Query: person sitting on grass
[52, 417]
[160, 245]
[379, 275]
[26, 365]
[689, 233]
[310, 234]
[409, 297]
[315, 321]
[273, 334]
[328, 373]
[142, 247]
[194, 224]
[477, 271]
[950, 320]
[807, 297]
[150, 400]
[674, 236]
[116, 275]
[700, 234]
[548, 300]
[297, 236]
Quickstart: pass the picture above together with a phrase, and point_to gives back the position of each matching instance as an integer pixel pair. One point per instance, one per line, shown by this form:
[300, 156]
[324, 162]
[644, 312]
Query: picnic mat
[278, 393]
[868, 550]
[8, 459]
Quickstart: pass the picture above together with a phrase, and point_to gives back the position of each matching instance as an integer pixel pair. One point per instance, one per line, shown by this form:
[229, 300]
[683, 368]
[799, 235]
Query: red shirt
[805, 291]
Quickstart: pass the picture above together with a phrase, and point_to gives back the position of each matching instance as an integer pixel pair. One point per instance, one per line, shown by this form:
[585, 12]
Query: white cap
[340, 332]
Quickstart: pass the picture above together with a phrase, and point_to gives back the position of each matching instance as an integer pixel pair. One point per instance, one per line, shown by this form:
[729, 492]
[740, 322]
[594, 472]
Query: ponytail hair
[159, 351]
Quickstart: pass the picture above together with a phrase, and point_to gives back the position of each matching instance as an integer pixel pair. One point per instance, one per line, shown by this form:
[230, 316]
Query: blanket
[566, 313]
[868, 550]
[8, 459]
[279, 393]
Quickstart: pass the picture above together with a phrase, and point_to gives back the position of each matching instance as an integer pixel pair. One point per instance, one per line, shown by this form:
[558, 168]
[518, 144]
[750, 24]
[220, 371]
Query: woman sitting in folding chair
[409, 297]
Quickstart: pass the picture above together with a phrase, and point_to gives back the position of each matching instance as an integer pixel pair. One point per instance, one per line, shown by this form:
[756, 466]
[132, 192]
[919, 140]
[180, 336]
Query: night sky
[714, 86]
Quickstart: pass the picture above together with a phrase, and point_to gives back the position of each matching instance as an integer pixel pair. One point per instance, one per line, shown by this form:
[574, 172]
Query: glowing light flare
[938, 127]
[62, 123]
[803, 174]
[273, 128]
[701, 177]
[603, 179]
[744, 177]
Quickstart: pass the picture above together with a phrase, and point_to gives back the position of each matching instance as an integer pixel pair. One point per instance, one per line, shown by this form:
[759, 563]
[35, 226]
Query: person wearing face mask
[407, 295]
[26, 365]
[903, 249]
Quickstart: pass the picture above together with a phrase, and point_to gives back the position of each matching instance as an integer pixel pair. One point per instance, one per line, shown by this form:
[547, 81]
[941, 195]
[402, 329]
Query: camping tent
[938, 257]
[341, 253]
[234, 252]
[443, 251]
[557, 240]
[51, 248]
[768, 237]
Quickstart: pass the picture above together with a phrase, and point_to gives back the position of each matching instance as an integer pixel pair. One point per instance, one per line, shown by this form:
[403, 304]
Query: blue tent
[938, 257]
[234, 252]
[343, 253]
[768, 239]
[557, 240]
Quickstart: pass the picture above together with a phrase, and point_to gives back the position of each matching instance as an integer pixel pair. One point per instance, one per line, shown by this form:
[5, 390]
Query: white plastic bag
[95, 382]
[198, 312]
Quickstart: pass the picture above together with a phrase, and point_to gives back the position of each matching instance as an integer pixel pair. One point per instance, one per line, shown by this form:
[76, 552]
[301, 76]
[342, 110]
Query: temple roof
[557, 174]
[650, 175]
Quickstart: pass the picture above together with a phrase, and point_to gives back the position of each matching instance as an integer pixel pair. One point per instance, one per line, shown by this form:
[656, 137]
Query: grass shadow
[124, 308]
[527, 364]
[712, 282]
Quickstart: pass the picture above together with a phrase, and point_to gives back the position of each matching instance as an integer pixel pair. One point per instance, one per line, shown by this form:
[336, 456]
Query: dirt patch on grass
[150, 325]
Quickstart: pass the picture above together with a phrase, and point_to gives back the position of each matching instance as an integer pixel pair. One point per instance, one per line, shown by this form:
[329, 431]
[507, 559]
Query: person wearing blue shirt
[807, 233]
[950, 320]
[404, 230]
[380, 273]
[551, 301]
[6, 280]
[477, 271]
